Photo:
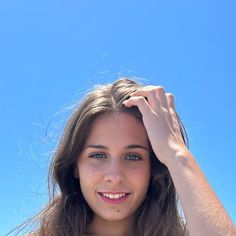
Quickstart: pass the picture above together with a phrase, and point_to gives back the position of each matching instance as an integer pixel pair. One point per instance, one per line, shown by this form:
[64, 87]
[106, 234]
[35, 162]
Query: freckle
[117, 211]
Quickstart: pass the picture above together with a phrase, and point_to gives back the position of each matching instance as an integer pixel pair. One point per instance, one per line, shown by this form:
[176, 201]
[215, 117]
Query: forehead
[120, 129]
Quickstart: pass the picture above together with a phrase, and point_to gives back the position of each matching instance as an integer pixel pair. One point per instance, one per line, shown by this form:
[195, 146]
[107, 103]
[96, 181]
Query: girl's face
[114, 167]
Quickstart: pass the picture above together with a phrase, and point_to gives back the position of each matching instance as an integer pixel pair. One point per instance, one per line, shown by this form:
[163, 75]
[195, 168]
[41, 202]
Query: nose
[114, 172]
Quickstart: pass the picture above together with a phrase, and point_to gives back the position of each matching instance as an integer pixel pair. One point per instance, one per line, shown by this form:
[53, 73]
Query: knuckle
[160, 89]
[150, 89]
[152, 92]
[170, 95]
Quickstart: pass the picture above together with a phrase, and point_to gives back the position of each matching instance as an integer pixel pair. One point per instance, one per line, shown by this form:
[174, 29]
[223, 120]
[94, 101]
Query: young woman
[120, 165]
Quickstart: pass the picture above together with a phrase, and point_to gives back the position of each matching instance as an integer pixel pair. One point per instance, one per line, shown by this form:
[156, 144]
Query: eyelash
[137, 157]
[103, 155]
[95, 155]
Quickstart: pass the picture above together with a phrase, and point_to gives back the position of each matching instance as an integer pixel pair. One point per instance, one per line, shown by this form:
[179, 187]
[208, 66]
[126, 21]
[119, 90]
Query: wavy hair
[67, 213]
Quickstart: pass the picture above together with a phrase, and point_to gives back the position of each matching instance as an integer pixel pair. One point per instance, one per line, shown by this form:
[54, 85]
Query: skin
[205, 215]
[111, 163]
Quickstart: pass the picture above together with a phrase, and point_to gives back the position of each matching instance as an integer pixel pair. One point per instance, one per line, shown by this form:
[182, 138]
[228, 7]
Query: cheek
[88, 174]
[141, 177]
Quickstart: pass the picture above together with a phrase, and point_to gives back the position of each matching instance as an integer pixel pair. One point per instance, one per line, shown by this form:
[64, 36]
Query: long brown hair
[67, 213]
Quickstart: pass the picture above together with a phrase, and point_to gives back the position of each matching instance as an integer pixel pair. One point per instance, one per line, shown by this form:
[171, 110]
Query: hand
[160, 121]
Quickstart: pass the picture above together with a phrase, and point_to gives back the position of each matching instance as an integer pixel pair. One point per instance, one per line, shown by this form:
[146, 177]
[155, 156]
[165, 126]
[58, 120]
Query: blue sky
[51, 52]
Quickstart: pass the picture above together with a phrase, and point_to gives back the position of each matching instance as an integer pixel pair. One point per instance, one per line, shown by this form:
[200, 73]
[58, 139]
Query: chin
[117, 215]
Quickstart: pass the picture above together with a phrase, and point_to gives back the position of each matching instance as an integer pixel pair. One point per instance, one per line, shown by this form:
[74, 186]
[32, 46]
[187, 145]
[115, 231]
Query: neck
[101, 227]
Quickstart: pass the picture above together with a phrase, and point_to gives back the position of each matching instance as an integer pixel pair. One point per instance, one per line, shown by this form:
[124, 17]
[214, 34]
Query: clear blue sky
[51, 52]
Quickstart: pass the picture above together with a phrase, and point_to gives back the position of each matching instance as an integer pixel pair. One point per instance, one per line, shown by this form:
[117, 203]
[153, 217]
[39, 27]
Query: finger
[171, 100]
[162, 95]
[140, 102]
[150, 93]
[148, 87]
[153, 92]
[171, 103]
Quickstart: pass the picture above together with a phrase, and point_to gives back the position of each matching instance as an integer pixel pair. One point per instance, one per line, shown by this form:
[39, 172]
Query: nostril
[114, 177]
[114, 172]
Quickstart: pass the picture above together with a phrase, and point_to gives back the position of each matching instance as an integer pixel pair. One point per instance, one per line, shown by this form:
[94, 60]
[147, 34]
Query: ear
[76, 172]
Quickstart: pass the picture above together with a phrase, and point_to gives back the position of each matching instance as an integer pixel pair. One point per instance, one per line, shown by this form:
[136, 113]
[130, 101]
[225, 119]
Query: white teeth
[113, 196]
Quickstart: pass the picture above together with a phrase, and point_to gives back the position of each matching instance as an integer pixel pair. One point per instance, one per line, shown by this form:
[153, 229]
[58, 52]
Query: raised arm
[204, 213]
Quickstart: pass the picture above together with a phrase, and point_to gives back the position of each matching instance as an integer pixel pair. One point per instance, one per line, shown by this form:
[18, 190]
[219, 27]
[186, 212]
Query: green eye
[98, 155]
[133, 157]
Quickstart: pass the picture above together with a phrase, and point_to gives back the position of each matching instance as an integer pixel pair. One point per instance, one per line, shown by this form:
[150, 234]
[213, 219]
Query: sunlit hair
[67, 213]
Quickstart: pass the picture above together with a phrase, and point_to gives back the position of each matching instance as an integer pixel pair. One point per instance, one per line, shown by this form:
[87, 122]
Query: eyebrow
[131, 146]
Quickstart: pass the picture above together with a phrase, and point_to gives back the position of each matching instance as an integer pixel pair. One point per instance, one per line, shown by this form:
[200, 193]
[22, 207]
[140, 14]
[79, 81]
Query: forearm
[205, 215]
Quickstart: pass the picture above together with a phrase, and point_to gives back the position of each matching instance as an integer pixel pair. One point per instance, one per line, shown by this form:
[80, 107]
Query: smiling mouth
[114, 197]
